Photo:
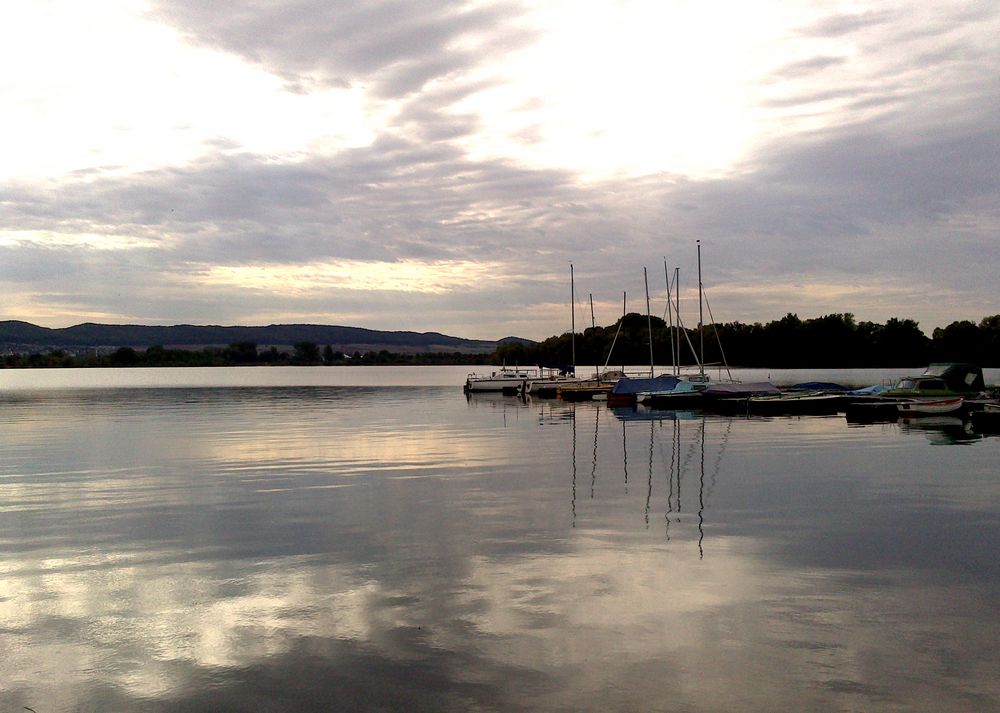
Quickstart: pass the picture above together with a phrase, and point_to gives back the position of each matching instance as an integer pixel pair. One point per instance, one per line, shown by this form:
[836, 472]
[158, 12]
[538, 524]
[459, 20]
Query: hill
[22, 337]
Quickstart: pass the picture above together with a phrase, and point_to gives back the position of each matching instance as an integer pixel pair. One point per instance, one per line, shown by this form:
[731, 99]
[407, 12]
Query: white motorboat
[519, 379]
[930, 407]
[504, 379]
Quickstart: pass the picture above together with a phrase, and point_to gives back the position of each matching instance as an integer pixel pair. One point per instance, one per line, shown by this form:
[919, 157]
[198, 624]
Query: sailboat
[686, 391]
[548, 384]
[625, 392]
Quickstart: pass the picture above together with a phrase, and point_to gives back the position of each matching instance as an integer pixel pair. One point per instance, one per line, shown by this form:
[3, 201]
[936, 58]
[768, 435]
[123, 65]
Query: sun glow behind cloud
[637, 87]
[98, 86]
[433, 277]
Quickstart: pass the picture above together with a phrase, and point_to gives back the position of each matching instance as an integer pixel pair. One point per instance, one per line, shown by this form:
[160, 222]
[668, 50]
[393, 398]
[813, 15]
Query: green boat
[941, 380]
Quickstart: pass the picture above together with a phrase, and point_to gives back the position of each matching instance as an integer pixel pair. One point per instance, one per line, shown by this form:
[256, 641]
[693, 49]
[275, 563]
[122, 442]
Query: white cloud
[99, 86]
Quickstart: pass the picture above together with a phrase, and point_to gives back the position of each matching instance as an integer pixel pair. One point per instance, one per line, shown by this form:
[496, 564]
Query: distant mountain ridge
[20, 336]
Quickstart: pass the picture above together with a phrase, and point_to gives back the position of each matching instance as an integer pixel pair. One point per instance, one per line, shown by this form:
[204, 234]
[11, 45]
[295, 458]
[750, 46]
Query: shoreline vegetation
[830, 341]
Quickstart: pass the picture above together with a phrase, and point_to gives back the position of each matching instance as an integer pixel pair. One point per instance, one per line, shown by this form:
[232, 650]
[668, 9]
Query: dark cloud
[840, 24]
[809, 66]
[393, 199]
[392, 47]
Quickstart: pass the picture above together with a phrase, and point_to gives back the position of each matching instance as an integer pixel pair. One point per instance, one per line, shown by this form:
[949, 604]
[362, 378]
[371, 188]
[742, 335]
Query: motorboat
[508, 379]
[940, 381]
[548, 382]
[930, 407]
[597, 386]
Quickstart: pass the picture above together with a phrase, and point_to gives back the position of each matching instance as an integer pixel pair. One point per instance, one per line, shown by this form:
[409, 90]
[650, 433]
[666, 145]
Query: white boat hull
[937, 407]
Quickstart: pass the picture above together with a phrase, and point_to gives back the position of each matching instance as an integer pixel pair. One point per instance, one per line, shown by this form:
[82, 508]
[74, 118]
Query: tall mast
[572, 317]
[677, 303]
[592, 323]
[670, 313]
[649, 323]
[701, 321]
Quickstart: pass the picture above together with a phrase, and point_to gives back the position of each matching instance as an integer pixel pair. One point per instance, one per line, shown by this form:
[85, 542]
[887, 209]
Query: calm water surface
[313, 547]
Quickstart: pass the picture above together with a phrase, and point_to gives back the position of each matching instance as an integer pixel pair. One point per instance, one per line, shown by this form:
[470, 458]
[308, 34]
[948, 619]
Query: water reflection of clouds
[573, 625]
[182, 588]
[151, 616]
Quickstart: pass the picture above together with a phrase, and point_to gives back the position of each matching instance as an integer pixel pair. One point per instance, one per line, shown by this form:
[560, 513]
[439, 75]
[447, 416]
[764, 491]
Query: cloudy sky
[438, 164]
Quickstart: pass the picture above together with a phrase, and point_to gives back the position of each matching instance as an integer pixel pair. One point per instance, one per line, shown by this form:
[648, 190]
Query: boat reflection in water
[941, 430]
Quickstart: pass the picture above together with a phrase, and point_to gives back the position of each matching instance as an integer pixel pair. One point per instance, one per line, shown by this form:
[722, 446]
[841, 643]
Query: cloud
[832, 151]
[392, 47]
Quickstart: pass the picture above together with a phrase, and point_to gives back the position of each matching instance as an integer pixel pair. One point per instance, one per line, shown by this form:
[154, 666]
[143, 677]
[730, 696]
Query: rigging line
[670, 333]
[687, 337]
[718, 339]
[617, 332]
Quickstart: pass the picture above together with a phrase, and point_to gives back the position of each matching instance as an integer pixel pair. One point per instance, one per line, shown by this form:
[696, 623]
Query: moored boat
[503, 379]
[626, 390]
[930, 407]
[598, 385]
[684, 395]
[548, 383]
[814, 403]
[943, 380]
[734, 398]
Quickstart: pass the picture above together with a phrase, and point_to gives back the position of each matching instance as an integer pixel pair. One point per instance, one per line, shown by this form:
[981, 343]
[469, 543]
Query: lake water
[310, 540]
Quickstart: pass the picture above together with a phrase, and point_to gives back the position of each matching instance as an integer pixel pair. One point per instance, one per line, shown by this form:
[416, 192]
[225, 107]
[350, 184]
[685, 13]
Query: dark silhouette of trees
[829, 341]
[306, 353]
[125, 356]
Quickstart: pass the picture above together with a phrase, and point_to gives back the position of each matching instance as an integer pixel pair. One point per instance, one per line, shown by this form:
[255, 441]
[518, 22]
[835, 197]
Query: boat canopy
[630, 386]
[959, 377]
[760, 388]
[564, 369]
[817, 386]
[869, 390]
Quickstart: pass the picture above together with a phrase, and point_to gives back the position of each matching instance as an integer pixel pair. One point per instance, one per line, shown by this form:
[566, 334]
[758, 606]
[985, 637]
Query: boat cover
[817, 386]
[628, 386]
[959, 377]
[729, 391]
[869, 390]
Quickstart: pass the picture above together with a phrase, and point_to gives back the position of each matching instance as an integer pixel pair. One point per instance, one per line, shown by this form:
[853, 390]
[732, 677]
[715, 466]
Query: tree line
[830, 341]
[240, 354]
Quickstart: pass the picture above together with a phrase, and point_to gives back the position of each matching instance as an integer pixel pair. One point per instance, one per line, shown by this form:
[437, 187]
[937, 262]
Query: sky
[436, 165]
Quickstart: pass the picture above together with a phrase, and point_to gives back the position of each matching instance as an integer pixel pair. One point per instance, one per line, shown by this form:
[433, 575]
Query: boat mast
[572, 316]
[701, 322]
[649, 323]
[677, 304]
[593, 324]
[670, 313]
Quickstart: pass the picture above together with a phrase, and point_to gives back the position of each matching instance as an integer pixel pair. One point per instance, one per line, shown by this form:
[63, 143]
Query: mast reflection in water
[684, 456]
